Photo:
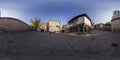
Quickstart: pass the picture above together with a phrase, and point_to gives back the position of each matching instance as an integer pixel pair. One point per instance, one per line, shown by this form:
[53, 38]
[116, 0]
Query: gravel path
[99, 45]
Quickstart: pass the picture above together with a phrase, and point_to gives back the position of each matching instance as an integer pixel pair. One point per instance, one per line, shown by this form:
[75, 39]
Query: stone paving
[99, 45]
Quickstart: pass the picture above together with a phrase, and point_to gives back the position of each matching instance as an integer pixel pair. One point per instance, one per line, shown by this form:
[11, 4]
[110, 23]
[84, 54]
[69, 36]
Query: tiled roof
[54, 20]
[80, 16]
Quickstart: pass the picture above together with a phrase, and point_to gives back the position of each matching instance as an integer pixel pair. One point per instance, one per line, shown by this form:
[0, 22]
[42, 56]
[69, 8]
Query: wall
[80, 20]
[54, 26]
[43, 26]
[115, 25]
[7, 24]
[87, 21]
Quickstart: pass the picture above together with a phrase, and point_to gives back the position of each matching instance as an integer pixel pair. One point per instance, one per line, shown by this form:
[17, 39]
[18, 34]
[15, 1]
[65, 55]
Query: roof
[80, 16]
[43, 23]
[54, 21]
[13, 19]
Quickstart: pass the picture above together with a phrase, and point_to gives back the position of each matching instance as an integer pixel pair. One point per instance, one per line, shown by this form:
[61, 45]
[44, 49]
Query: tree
[35, 23]
[63, 27]
[108, 24]
[47, 27]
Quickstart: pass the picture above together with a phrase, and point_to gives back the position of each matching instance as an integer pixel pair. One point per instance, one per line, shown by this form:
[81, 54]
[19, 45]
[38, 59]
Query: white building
[80, 23]
[43, 27]
[115, 22]
[54, 26]
[99, 26]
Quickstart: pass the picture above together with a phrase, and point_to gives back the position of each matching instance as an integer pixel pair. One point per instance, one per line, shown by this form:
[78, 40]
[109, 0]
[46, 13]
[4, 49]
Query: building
[99, 26]
[43, 27]
[115, 22]
[104, 27]
[12, 24]
[80, 23]
[54, 26]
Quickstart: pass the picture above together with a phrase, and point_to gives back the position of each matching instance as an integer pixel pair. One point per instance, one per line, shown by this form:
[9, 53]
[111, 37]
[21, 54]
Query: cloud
[64, 10]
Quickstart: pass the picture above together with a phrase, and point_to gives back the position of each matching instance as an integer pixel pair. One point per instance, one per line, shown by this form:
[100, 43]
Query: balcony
[57, 26]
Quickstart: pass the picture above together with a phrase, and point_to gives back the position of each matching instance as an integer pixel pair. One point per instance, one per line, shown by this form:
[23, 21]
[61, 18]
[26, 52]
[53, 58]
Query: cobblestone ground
[99, 45]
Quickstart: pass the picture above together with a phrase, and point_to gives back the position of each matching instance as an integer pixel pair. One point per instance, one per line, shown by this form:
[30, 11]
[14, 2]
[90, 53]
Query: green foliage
[108, 24]
[47, 26]
[63, 27]
[35, 22]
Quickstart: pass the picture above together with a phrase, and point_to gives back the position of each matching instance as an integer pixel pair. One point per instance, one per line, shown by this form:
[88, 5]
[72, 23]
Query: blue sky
[100, 11]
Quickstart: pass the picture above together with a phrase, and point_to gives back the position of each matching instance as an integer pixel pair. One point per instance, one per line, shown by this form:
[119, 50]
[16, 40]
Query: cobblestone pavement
[99, 45]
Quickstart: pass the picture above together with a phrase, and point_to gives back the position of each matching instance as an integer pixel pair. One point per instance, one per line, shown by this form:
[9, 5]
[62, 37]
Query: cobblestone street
[99, 45]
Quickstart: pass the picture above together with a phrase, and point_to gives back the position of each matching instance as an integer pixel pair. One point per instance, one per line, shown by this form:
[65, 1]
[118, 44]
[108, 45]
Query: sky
[100, 11]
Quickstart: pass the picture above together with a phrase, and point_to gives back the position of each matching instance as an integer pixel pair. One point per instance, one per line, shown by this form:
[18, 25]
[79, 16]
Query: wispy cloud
[62, 10]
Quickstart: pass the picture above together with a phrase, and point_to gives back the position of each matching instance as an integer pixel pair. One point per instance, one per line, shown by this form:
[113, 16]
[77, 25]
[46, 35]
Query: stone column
[76, 29]
[70, 29]
[83, 29]
[73, 29]
[79, 29]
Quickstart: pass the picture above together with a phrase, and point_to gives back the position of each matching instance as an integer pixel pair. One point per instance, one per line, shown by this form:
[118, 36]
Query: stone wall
[12, 24]
[115, 25]
[106, 28]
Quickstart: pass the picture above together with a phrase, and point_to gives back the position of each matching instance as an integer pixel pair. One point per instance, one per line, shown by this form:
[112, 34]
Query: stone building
[54, 26]
[104, 27]
[99, 26]
[80, 23]
[115, 22]
[12, 24]
[43, 27]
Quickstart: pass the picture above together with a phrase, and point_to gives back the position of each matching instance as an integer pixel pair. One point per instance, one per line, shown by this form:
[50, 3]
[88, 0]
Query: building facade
[54, 26]
[43, 27]
[80, 23]
[115, 22]
[99, 26]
